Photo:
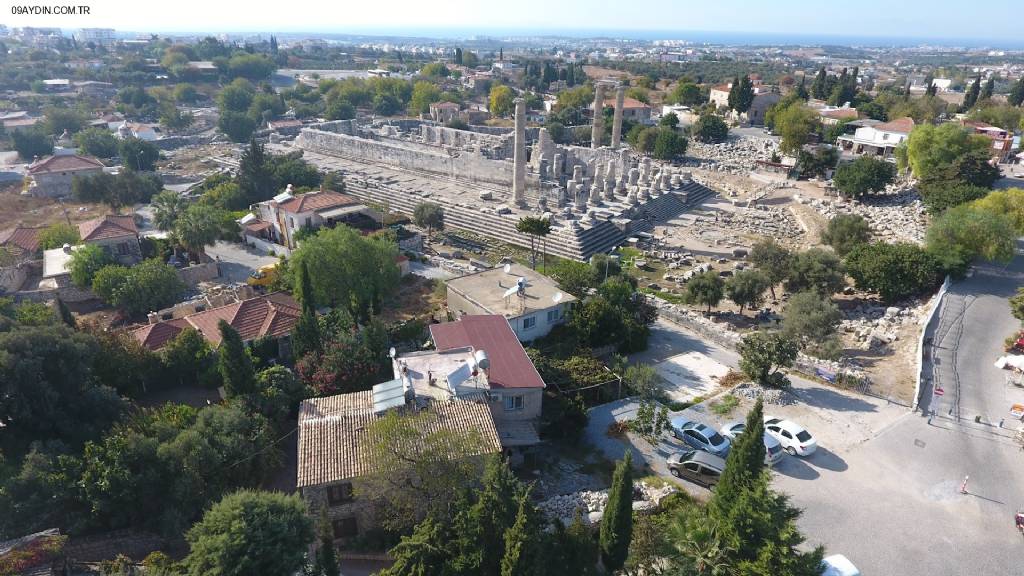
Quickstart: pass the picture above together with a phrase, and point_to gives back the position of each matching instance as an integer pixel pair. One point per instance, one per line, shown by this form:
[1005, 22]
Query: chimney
[321, 186]
[66, 248]
[153, 317]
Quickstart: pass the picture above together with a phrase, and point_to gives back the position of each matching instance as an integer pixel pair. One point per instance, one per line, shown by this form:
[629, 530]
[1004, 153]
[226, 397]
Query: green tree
[746, 288]
[744, 95]
[705, 289]
[763, 355]
[795, 125]
[428, 215]
[60, 119]
[107, 281]
[250, 532]
[617, 522]
[57, 235]
[523, 541]
[146, 287]
[1017, 304]
[815, 269]
[32, 143]
[931, 151]
[235, 365]
[710, 128]
[238, 126]
[34, 314]
[845, 232]
[964, 233]
[971, 95]
[812, 320]
[189, 358]
[139, 155]
[533, 227]
[349, 270]
[670, 120]
[744, 464]
[501, 100]
[423, 95]
[197, 227]
[1008, 202]
[948, 195]
[425, 552]
[894, 271]
[863, 176]
[98, 142]
[326, 556]
[669, 144]
[686, 93]
[168, 206]
[306, 336]
[772, 259]
[85, 262]
[1016, 97]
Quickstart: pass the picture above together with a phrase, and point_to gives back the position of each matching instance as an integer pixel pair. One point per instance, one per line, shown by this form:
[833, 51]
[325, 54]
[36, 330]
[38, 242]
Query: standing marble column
[597, 132]
[620, 96]
[519, 155]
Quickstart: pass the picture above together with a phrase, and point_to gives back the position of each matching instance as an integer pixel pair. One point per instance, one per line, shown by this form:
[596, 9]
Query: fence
[268, 247]
[933, 309]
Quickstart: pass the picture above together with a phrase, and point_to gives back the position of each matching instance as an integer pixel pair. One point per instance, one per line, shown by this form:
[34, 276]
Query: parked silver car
[700, 436]
[772, 449]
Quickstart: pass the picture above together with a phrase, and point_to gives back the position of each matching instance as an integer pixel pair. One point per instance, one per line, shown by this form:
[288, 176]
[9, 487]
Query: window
[345, 528]
[553, 315]
[692, 466]
[292, 220]
[122, 249]
[309, 221]
[513, 403]
[786, 434]
[339, 493]
[529, 322]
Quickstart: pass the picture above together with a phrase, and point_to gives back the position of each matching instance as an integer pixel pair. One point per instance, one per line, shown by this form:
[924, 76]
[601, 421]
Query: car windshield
[803, 436]
[715, 438]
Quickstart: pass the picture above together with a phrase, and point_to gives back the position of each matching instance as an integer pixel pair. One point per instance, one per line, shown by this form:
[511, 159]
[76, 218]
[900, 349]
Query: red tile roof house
[288, 213]
[117, 235]
[21, 241]
[52, 176]
[270, 316]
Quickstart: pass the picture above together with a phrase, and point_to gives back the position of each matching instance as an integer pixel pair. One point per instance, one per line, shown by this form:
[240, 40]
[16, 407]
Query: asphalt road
[238, 261]
[886, 490]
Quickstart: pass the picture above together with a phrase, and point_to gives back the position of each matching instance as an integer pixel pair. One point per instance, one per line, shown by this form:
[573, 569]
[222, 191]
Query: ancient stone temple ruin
[488, 178]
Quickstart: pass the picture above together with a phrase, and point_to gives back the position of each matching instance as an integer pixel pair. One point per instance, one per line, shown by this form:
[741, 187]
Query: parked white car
[793, 437]
[772, 448]
[839, 565]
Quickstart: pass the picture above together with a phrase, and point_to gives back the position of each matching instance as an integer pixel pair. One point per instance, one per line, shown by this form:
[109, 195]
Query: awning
[342, 211]
[517, 434]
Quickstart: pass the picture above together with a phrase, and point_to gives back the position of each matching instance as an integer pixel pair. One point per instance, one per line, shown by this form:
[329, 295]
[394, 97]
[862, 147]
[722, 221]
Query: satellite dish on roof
[557, 297]
[508, 268]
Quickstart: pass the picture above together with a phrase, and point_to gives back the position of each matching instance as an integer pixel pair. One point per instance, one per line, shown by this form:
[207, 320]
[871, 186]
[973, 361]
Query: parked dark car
[697, 466]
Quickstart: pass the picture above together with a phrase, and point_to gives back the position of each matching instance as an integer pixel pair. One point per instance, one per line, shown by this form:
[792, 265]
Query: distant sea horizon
[695, 36]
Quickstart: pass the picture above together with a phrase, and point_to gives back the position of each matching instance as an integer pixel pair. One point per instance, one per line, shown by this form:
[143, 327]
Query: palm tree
[167, 208]
[198, 227]
[700, 545]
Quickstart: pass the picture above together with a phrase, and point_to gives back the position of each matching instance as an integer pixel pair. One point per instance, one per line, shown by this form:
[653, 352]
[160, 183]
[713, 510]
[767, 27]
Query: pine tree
[326, 556]
[617, 522]
[422, 553]
[986, 92]
[1016, 97]
[65, 314]
[522, 545]
[234, 363]
[494, 512]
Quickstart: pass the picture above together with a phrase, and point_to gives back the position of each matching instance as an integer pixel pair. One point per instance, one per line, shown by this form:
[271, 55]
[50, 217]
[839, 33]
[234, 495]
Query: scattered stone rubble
[591, 503]
[752, 391]
[896, 215]
[778, 223]
[735, 156]
[872, 326]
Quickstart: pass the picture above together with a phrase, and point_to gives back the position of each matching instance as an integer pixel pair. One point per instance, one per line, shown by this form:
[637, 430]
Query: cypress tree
[986, 92]
[744, 464]
[801, 90]
[745, 95]
[734, 94]
[306, 336]
[1016, 97]
[326, 558]
[617, 522]
[819, 88]
[971, 97]
[522, 546]
[65, 314]
[234, 363]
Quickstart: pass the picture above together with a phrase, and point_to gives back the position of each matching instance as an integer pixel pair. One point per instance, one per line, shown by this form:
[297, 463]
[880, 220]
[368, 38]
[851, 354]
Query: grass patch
[725, 405]
[677, 299]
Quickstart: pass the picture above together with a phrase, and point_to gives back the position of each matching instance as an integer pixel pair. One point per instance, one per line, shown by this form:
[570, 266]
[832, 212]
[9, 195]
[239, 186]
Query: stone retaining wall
[65, 293]
[197, 273]
[12, 277]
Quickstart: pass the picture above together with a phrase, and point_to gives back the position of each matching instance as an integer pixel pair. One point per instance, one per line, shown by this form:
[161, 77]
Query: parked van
[697, 466]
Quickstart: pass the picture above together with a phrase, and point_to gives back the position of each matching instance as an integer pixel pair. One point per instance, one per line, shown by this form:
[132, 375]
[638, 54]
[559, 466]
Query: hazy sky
[995, 19]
